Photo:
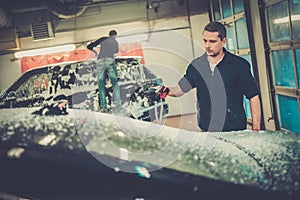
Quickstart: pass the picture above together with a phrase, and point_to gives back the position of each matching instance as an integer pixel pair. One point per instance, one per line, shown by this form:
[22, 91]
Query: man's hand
[163, 92]
[160, 92]
[90, 46]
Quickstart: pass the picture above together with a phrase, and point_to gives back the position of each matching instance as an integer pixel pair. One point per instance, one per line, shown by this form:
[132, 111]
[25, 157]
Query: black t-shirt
[220, 93]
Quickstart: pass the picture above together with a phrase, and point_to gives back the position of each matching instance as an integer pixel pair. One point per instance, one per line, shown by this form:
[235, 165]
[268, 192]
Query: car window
[35, 85]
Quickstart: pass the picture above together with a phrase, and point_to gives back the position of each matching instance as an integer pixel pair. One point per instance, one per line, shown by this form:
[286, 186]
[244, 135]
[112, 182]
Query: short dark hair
[112, 33]
[216, 27]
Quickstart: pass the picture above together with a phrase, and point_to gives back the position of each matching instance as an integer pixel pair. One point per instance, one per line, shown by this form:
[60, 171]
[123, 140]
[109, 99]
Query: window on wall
[278, 22]
[295, 17]
[232, 13]
[242, 33]
[231, 43]
[289, 116]
[226, 8]
[297, 53]
[238, 6]
[216, 9]
[283, 70]
[283, 23]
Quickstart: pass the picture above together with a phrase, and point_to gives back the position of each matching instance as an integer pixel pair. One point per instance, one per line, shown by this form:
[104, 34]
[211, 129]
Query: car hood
[265, 160]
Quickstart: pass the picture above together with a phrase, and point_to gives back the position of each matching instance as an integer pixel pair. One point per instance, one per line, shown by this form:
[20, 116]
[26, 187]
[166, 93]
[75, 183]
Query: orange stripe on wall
[30, 62]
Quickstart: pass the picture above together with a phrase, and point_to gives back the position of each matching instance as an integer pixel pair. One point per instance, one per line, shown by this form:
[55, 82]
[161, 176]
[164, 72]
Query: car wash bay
[266, 33]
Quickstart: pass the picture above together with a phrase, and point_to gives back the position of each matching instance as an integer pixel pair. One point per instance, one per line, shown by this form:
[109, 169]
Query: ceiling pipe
[66, 9]
[75, 8]
[69, 15]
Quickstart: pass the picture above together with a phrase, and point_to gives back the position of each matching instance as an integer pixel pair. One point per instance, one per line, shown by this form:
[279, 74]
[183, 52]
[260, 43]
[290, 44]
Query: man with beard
[221, 80]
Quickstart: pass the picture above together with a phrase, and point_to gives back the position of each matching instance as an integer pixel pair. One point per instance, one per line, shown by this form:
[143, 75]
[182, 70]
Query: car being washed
[76, 82]
[92, 155]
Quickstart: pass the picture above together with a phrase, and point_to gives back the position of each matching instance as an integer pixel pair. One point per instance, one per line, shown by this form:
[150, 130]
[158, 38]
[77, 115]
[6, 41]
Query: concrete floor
[187, 122]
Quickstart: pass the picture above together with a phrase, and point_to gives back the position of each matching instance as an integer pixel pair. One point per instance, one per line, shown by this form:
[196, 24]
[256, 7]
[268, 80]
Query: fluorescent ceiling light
[286, 19]
[132, 38]
[43, 51]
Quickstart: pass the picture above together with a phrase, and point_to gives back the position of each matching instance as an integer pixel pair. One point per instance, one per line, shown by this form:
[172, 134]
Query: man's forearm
[95, 52]
[175, 91]
[255, 112]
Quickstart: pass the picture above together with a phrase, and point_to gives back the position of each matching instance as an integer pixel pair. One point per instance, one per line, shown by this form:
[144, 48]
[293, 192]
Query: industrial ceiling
[21, 18]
